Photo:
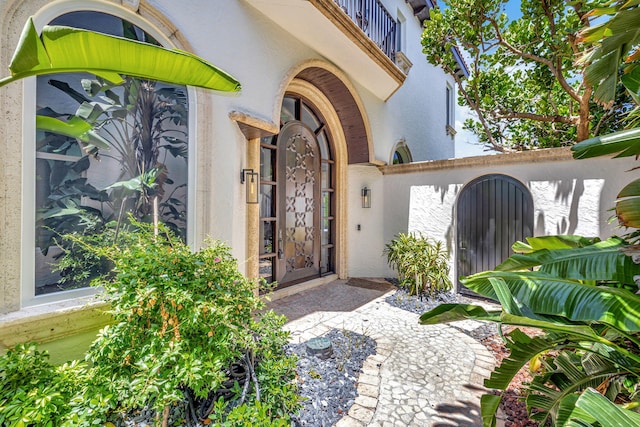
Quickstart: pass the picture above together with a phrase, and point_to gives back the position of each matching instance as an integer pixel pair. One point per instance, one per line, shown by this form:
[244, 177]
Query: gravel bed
[401, 299]
[328, 386]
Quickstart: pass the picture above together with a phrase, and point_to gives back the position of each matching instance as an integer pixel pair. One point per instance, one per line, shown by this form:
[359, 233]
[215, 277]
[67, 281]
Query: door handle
[280, 250]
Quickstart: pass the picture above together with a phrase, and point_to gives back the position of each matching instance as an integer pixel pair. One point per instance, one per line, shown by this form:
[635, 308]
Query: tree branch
[474, 106]
[571, 120]
[557, 72]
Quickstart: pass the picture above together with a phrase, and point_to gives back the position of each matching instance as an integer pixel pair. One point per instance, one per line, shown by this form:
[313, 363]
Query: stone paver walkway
[419, 376]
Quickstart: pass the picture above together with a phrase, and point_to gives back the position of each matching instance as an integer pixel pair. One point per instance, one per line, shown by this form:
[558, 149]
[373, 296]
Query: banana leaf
[445, 313]
[626, 143]
[64, 49]
[561, 241]
[628, 205]
[548, 295]
[75, 127]
[615, 40]
[601, 261]
[555, 393]
[607, 413]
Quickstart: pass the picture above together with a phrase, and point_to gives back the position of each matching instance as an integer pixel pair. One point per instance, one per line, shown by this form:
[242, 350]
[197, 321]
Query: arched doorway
[493, 212]
[298, 201]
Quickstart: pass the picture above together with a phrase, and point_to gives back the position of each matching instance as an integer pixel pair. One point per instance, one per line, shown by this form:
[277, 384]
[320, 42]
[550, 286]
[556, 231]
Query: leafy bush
[34, 392]
[181, 320]
[422, 263]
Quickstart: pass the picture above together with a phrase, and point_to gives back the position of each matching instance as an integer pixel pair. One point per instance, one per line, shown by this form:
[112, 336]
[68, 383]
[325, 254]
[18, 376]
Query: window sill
[49, 322]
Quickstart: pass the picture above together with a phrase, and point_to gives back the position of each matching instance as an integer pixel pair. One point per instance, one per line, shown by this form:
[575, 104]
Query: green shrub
[422, 263]
[32, 391]
[181, 320]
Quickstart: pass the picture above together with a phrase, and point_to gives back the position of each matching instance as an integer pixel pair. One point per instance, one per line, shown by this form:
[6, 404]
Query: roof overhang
[323, 26]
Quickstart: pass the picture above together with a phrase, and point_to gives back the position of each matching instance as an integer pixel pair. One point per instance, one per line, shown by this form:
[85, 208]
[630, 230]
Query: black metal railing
[375, 21]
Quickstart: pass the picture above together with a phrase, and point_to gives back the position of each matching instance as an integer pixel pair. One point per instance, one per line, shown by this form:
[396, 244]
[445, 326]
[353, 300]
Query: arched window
[132, 161]
[401, 153]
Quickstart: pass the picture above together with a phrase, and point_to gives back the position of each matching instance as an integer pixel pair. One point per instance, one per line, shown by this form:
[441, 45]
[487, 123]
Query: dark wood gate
[493, 212]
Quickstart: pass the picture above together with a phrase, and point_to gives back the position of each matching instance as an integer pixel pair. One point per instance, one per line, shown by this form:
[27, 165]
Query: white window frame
[450, 110]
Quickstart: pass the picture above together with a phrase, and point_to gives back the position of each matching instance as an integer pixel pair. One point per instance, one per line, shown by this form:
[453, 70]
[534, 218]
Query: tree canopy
[525, 86]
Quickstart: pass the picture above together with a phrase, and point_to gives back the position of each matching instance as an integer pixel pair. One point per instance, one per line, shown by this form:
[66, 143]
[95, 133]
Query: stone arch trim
[401, 145]
[337, 88]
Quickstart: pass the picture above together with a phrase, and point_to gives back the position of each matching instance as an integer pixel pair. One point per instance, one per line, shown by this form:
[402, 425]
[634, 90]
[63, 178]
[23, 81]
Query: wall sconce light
[251, 185]
[366, 197]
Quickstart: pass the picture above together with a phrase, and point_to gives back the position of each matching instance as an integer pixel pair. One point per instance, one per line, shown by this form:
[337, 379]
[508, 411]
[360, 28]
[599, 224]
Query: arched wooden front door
[493, 212]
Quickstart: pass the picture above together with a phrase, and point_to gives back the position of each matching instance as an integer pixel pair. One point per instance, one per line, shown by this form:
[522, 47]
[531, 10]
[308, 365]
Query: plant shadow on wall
[190, 344]
[123, 150]
[580, 293]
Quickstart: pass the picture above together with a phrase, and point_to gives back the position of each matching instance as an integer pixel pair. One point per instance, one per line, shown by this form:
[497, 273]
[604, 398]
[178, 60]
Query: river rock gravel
[328, 386]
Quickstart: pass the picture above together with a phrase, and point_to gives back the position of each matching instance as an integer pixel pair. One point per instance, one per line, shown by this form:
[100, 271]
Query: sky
[466, 142]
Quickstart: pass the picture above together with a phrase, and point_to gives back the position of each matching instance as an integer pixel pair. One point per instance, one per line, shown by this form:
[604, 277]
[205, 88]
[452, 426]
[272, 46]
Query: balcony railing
[375, 21]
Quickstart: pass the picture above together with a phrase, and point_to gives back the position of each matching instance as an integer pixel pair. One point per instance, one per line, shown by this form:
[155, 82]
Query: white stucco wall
[569, 196]
[365, 244]
[416, 112]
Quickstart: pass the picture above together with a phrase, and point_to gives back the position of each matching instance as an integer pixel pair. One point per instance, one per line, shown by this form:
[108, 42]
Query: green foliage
[524, 86]
[35, 393]
[141, 125]
[615, 42]
[577, 295]
[67, 49]
[181, 319]
[422, 263]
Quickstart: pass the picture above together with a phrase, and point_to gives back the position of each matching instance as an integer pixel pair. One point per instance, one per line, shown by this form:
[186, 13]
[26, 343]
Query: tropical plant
[181, 319]
[63, 49]
[422, 263]
[34, 392]
[186, 325]
[525, 88]
[581, 293]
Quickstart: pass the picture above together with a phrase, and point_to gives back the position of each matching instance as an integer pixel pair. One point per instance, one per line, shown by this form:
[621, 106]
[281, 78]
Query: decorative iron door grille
[299, 221]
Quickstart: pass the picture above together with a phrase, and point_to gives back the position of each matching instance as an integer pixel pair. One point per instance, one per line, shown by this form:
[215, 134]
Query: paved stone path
[420, 375]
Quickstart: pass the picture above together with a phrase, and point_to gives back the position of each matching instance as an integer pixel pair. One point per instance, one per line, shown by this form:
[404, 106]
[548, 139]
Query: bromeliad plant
[422, 263]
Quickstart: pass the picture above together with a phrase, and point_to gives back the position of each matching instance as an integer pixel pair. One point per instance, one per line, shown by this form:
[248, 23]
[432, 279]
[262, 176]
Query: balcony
[374, 20]
[356, 35]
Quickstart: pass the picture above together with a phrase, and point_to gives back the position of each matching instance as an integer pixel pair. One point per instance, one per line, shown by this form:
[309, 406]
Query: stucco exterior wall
[569, 196]
[264, 57]
[365, 225]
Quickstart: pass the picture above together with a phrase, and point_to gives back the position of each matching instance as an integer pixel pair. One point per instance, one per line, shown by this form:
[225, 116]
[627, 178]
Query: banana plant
[581, 293]
[61, 49]
[616, 41]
